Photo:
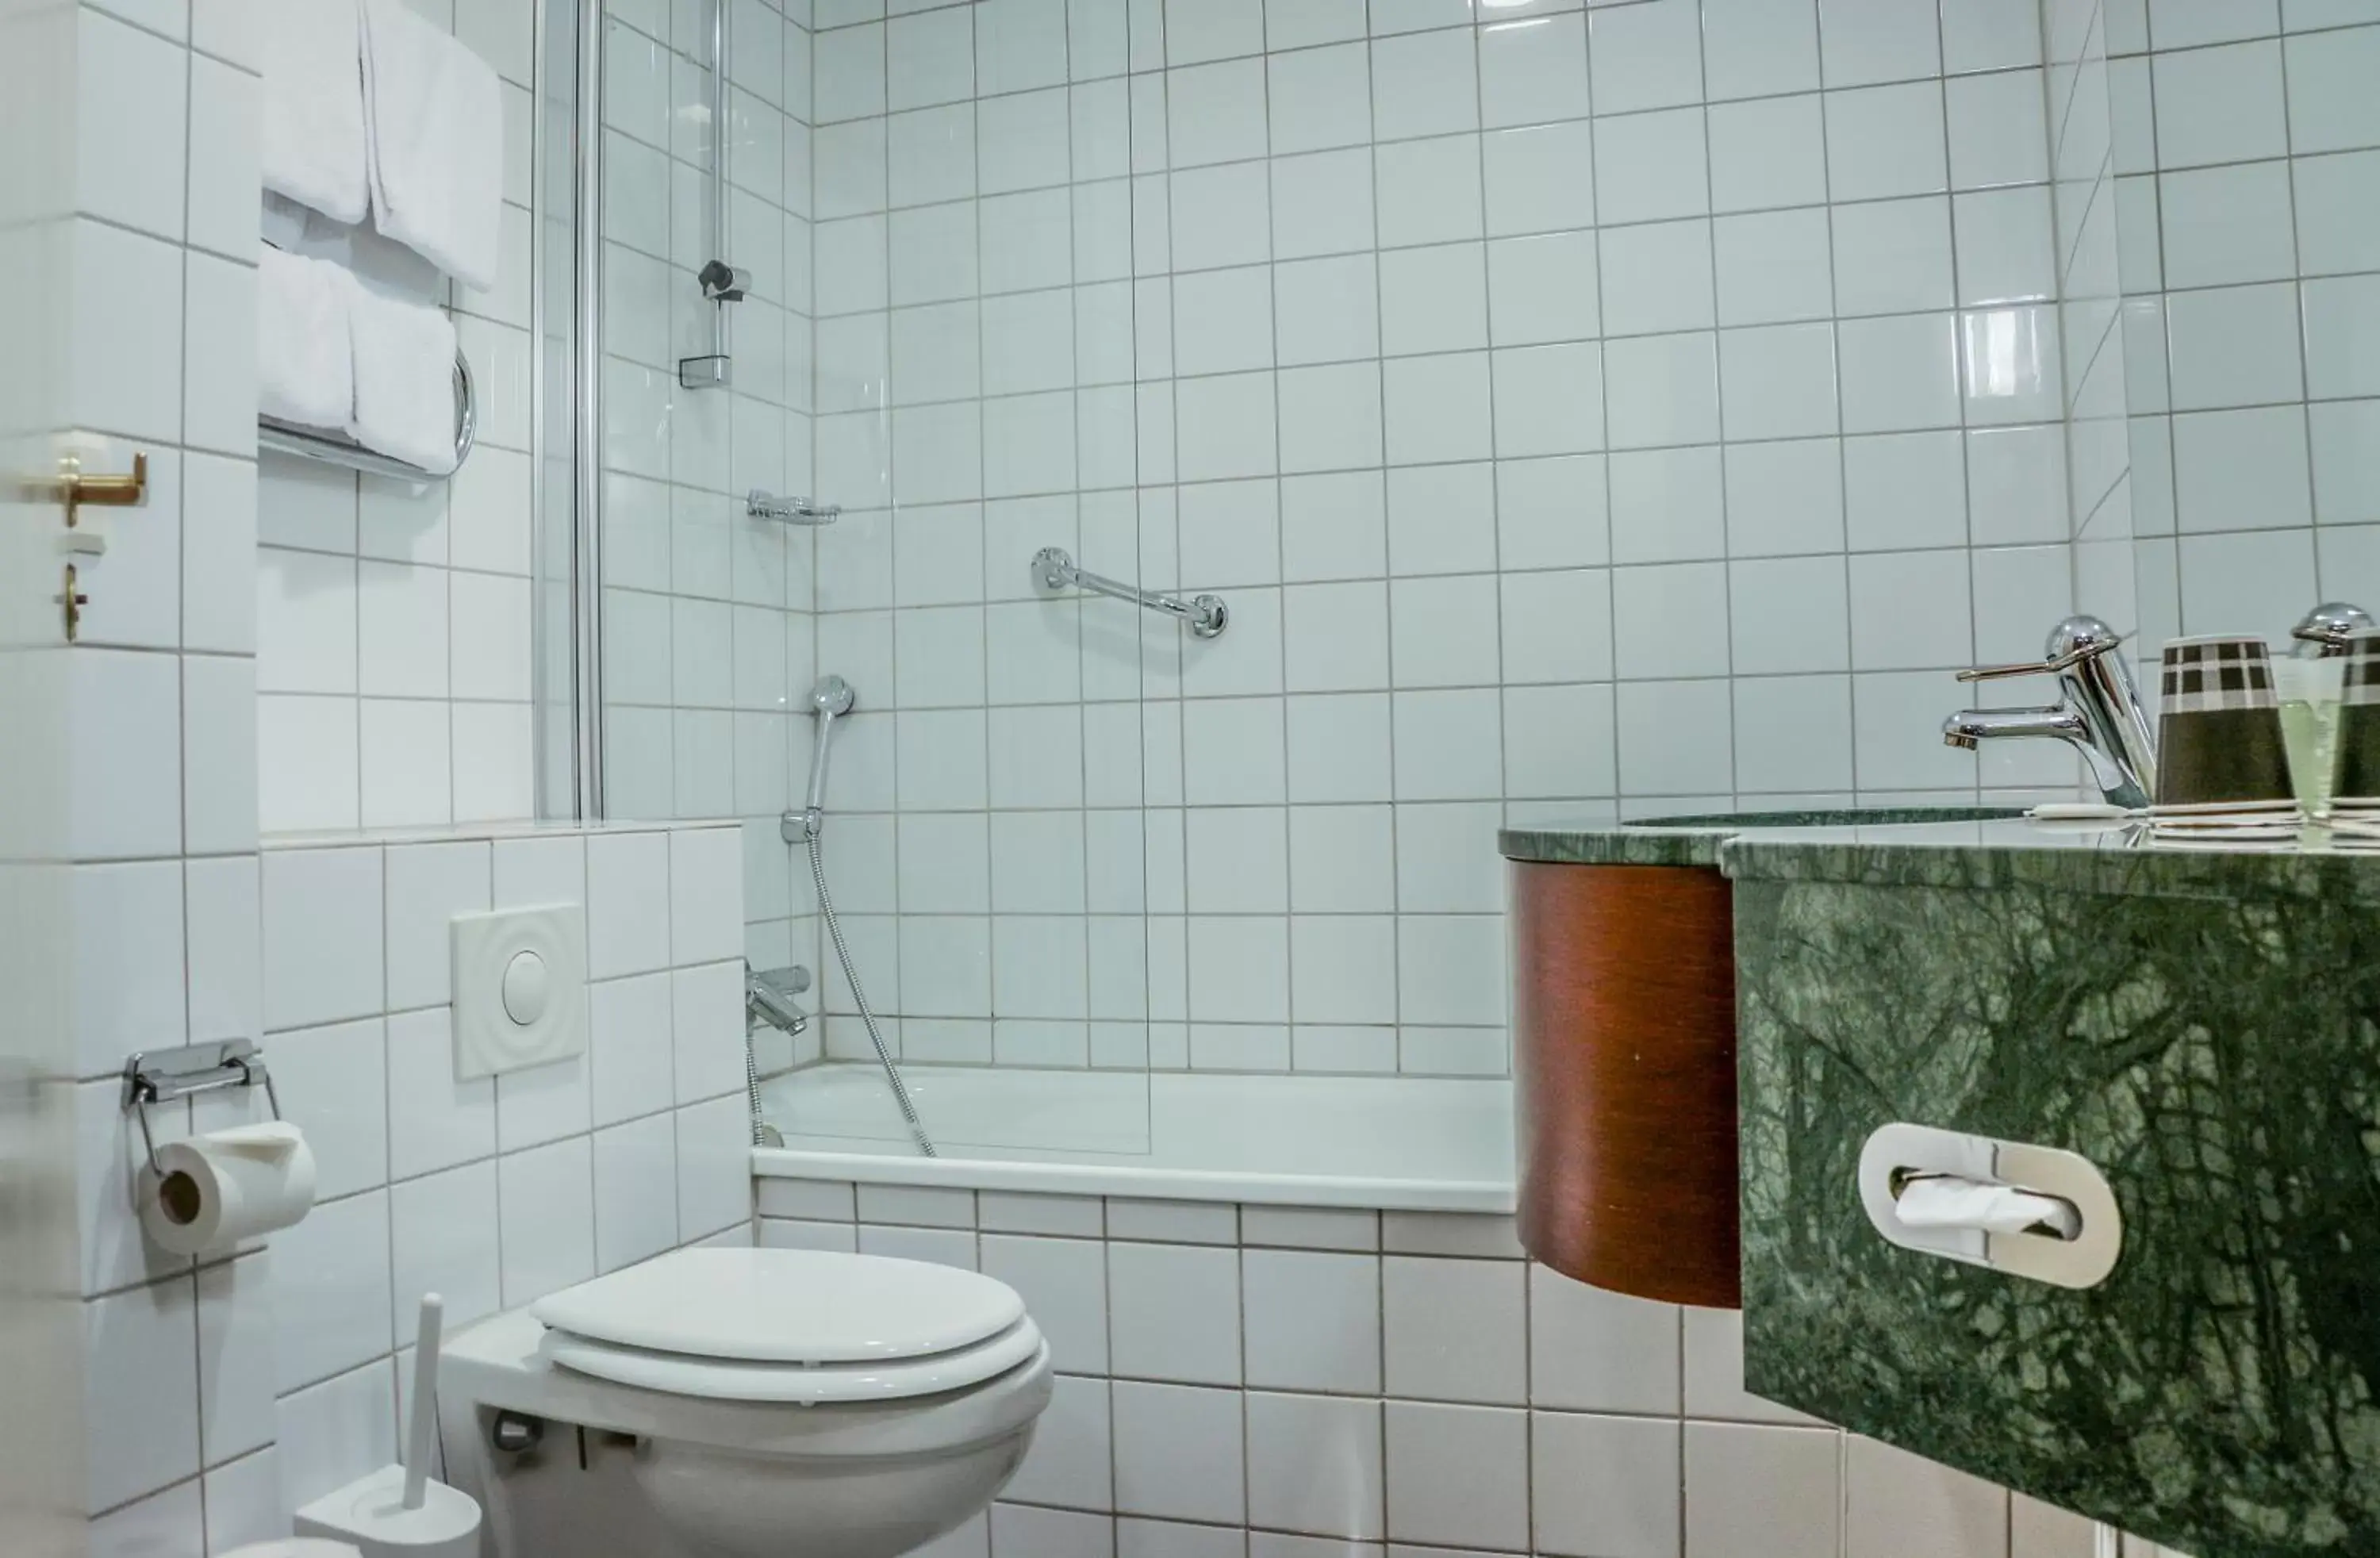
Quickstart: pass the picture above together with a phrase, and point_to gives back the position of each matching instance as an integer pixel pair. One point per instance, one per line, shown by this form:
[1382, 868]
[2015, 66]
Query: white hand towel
[435, 151]
[310, 124]
[305, 352]
[405, 378]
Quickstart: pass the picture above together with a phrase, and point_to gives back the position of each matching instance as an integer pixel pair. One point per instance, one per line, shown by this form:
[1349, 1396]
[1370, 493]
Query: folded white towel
[405, 378]
[305, 352]
[435, 146]
[310, 124]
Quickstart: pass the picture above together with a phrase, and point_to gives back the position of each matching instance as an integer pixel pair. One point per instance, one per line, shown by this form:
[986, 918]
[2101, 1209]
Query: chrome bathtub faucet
[2099, 712]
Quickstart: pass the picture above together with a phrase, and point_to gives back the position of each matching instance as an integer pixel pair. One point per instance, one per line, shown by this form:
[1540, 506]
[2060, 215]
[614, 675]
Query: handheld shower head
[831, 698]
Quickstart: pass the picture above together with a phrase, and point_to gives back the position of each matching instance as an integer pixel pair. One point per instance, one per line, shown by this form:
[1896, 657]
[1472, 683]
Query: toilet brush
[401, 1511]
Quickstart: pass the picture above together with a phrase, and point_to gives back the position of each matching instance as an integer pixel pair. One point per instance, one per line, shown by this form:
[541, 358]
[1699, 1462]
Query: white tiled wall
[393, 623]
[1270, 1383]
[1623, 408]
[234, 1390]
[2248, 146]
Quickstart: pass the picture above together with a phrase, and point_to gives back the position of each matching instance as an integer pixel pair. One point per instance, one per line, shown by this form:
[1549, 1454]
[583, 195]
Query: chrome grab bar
[317, 443]
[1207, 615]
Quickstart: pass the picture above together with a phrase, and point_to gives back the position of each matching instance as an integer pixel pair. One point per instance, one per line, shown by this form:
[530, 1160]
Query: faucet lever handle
[2072, 642]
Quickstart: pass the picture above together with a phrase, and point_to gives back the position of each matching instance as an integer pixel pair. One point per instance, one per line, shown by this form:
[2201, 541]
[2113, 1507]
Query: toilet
[724, 1403]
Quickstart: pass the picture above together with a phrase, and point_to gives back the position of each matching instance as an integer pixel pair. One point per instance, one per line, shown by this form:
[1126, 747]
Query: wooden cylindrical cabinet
[1623, 1061]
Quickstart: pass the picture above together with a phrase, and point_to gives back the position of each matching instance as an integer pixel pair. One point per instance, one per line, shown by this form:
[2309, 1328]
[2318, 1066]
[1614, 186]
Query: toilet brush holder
[400, 1510]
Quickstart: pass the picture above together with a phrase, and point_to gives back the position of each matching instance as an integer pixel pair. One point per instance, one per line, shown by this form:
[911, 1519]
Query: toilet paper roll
[1945, 1200]
[213, 1190]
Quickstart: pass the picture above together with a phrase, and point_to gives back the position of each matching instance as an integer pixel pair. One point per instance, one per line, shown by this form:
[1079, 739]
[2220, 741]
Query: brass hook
[74, 489]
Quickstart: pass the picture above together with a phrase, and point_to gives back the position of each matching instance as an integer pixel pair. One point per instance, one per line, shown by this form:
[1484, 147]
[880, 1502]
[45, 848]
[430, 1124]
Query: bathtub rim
[1125, 1182]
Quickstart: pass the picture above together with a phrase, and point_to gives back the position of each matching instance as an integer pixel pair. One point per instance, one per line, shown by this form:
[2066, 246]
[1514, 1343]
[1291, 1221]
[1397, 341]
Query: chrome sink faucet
[2099, 712]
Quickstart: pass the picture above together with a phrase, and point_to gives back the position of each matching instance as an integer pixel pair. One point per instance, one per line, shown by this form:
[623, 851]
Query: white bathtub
[1395, 1143]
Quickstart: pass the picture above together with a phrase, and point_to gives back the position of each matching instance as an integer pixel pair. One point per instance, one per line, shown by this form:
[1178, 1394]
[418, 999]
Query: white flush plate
[520, 989]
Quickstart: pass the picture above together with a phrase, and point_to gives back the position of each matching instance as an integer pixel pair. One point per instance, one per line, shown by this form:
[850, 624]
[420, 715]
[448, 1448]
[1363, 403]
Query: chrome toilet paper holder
[163, 1076]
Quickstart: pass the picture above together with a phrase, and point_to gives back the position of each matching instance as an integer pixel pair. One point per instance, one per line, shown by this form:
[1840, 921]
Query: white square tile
[428, 885]
[1675, 738]
[1196, 30]
[1606, 1486]
[1549, 400]
[1064, 1283]
[1322, 204]
[442, 1239]
[2219, 104]
[1903, 490]
[333, 1084]
[1458, 1476]
[714, 1168]
[1558, 744]
[706, 894]
[1893, 256]
[1714, 1355]
[236, 1360]
[1871, 41]
[1535, 180]
[123, 773]
[2234, 346]
[1663, 390]
[545, 1205]
[2007, 247]
[1885, 142]
[635, 1191]
[1998, 134]
[2329, 109]
[1315, 1465]
[628, 903]
[1454, 1330]
[1532, 70]
[1765, 1490]
[1778, 382]
[1598, 1351]
[1773, 267]
[1666, 505]
[2240, 470]
[1072, 1457]
[140, 1406]
[1319, 98]
[1767, 153]
[1650, 168]
[130, 123]
[322, 935]
[1656, 278]
[331, 1290]
[1759, 48]
[1982, 35]
[1179, 1453]
[1899, 373]
[1793, 734]
[1646, 55]
[1784, 498]
[1428, 191]
[2342, 336]
[129, 970]
[1425, 84]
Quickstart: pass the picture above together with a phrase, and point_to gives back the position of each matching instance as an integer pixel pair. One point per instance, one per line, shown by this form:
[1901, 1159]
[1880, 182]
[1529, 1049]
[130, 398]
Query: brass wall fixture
[75, 490]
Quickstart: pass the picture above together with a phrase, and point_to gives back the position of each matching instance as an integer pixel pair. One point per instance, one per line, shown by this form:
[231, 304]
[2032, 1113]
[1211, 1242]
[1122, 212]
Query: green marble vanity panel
[2203, 1027]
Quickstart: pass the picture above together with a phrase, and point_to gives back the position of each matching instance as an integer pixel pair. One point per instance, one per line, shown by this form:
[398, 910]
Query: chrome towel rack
[1206, 614]
[332, 448]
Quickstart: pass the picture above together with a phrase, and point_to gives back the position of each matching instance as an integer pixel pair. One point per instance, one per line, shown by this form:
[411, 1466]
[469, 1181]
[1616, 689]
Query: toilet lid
[784, 1307]
[729, 1379]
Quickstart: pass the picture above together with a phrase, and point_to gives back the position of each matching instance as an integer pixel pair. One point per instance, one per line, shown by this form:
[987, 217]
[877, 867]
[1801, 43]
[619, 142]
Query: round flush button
[525, 988]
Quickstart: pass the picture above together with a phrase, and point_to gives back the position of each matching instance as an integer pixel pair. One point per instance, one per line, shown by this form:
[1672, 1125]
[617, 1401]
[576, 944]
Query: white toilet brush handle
[422, 1440]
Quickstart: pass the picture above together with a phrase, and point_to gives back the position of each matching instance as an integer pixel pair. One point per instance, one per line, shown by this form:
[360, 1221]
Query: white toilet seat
[735, 1380]
[788, 1326]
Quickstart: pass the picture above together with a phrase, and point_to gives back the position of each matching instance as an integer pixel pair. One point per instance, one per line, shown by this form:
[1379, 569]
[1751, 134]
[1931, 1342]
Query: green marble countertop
[1998, 852]
[1694, 841]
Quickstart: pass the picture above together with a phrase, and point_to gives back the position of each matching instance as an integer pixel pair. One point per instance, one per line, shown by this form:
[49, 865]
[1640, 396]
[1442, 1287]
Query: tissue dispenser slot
[2070, 1233]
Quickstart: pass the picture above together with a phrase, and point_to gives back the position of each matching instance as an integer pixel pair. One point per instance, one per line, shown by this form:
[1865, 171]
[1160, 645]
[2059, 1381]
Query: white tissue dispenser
[402, 1510]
